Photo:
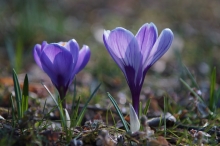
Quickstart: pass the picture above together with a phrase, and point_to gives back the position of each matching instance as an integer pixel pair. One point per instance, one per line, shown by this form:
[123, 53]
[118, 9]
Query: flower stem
[64, 103]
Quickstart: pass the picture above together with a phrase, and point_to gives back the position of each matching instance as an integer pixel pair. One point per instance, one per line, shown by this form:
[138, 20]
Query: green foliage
[213, 94]
[192, 91]
[59, 106]
[119, 112]
[74, 114]
[25, 94]
[212, 98]
[147, 106]
[191, 77]
[140, 109]
[18, 96]
[75, 118]
[82, 113]
[21, 98]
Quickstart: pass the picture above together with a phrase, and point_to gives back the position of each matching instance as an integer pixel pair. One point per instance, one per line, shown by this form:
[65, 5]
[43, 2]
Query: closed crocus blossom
[61, 62]
[136, 54]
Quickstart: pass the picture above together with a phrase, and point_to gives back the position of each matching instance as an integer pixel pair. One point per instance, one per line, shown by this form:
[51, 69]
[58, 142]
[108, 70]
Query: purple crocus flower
[136, 54]
[61, 62]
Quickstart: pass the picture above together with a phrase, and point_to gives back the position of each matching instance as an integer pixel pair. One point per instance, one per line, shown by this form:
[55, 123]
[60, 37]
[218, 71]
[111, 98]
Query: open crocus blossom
[136, 54]
[61, 62]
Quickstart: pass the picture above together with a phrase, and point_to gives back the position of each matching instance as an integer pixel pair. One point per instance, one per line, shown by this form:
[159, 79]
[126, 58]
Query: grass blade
[40, 122]
[74, 107]
[18, 96]
[192, 91]
[113, 119]
[25, 94]
[74, 95]
[58, 104]
[192, 78]
[119, 112]
[63, 118]
[140, 109]
[82, 113]
[212, 91]
[147, 106]
[75, 113]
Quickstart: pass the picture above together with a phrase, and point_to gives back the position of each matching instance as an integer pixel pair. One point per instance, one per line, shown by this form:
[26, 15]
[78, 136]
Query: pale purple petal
[73, 47]
[44, 43]
[160, 47]
[37, 53]
[124, 49]
[118, 40]
[115, 58]
[83, 59]
[51, 50]
[146, 37]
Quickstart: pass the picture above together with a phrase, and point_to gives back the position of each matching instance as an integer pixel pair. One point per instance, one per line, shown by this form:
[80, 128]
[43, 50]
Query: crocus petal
[124, 49]
[160, 47]
[146, 37]
[120, 41]
[115, 58]
[84, 56]
[57, 63]
[37, 54]
[134, 121]
[73, 47]
[44, 43]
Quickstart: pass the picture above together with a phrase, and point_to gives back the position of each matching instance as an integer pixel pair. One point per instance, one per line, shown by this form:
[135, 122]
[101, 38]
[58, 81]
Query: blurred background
[196, 27]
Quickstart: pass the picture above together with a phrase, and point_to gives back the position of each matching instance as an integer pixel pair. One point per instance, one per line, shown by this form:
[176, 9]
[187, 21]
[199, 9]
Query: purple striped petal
[115, 58]
[160, 47]
[83, 59]
[124, 49]
[146, 37]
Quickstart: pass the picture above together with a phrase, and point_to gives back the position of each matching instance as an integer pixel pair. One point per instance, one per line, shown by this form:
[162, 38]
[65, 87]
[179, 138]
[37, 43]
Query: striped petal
[124, 49]
[83, 59]
[146, 37]
[160, 47]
